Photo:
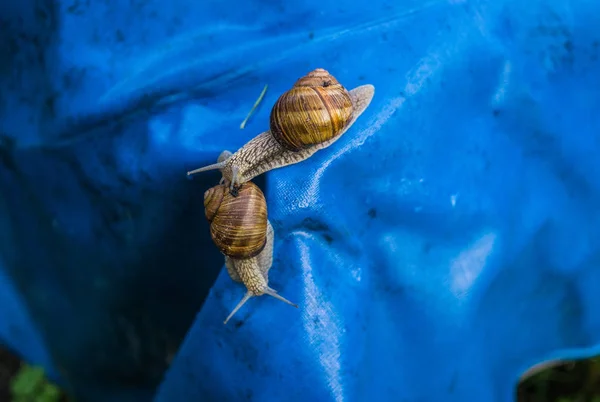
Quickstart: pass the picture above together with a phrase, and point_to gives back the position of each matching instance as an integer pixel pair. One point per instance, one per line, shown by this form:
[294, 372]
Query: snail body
[309, 117]
[240, 229]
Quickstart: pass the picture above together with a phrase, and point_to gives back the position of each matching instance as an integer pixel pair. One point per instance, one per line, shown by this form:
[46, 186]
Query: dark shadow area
[28, 34]
[115, 296]
[113, 261]
[9, 366]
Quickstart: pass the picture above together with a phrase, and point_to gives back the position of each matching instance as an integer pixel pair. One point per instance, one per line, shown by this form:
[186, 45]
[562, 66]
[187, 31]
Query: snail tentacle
[246, 297]
[224, 156]
[219, 165]
[214, 166]
[254, 279]
[272, 292]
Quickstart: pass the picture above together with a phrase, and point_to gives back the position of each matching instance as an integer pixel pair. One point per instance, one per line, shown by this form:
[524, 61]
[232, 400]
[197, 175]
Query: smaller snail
[309, 117]
[239, 227]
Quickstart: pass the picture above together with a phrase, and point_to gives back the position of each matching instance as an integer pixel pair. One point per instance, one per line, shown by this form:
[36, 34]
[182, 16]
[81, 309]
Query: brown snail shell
[316, 109]
[269, 150]
[253, 271]
[238, 224]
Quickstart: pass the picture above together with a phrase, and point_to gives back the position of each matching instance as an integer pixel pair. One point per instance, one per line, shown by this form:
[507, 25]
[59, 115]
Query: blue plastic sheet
[445, 244]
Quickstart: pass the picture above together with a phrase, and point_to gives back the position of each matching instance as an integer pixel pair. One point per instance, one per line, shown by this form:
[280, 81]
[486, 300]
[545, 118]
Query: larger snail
[240, 228]
[309, 117]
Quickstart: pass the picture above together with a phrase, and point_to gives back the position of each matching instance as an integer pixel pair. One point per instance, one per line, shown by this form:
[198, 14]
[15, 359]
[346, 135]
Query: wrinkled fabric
[445, 244]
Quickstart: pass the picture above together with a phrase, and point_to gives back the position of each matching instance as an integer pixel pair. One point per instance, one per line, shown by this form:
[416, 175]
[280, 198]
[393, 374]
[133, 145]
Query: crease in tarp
[452, 230]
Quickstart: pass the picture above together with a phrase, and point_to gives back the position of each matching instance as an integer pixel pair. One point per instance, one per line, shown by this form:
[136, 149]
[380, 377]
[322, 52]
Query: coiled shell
[316, 109]
[238, 224]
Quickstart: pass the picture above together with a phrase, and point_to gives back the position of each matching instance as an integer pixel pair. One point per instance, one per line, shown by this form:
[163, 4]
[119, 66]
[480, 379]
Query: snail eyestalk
[273, 292]
[224, 156]
[214, 166]
[260, 98]
[249, 295]
[246, 297]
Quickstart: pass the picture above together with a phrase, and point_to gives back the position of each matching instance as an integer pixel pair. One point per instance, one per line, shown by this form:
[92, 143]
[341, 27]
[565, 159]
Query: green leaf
[50, 393]
[27, 380]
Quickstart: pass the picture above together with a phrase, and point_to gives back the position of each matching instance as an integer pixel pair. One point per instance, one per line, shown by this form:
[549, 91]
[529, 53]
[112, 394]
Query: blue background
[443, 245]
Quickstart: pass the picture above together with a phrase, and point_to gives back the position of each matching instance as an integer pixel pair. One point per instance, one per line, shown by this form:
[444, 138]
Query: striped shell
[238, 225]
[316, 109]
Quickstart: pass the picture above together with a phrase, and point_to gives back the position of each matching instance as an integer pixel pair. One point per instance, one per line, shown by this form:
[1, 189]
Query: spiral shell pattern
[238, 224]
[316, 109]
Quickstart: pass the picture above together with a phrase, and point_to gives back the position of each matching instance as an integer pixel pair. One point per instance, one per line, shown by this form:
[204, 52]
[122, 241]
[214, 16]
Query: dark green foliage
[20, 382]
[571, 382]
[30, 385]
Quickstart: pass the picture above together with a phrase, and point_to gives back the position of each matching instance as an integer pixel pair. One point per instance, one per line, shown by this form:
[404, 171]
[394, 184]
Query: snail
[240, 229]
[309, 117]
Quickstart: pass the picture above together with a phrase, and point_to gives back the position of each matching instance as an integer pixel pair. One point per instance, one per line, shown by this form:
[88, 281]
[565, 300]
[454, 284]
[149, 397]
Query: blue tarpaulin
[442, 246]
